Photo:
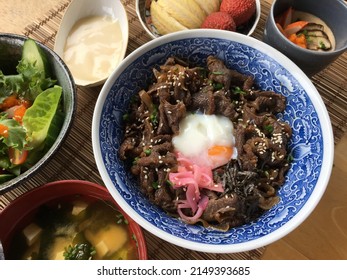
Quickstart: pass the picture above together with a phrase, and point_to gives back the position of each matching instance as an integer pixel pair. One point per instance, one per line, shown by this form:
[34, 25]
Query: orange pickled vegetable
[281, 29]
[299, 40]
[285, 18]
[295, 27]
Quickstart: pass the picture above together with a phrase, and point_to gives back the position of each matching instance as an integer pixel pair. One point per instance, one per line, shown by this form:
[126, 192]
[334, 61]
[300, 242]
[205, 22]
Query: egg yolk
[219, 155]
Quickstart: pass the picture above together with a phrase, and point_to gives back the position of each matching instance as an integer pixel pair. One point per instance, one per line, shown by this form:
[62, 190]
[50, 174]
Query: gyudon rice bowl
[204, 139]
[206, 145]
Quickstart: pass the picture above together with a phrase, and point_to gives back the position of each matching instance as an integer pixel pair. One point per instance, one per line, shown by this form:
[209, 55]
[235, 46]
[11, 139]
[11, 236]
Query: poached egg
[207, 140]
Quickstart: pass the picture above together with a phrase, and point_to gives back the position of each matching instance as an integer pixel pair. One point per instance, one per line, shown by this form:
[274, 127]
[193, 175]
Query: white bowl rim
[328, 140]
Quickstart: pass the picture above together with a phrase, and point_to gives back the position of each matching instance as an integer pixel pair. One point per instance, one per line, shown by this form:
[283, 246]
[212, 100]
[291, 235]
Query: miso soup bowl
[311, 145]
[20, 212]
[333, 13]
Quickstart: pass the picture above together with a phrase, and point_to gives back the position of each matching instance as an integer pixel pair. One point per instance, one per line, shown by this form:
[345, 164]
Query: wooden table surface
[323, 235]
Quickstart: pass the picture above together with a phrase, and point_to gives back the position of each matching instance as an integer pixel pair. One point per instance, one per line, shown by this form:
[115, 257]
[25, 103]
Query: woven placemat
[75, 158]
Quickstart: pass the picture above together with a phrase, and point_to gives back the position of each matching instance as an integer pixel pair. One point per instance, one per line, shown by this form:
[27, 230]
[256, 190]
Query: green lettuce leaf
[37, 119]
[16, 133]
[28, 83]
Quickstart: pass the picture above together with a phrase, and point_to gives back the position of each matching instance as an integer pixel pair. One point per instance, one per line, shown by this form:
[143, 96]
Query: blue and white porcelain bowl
[311, 145]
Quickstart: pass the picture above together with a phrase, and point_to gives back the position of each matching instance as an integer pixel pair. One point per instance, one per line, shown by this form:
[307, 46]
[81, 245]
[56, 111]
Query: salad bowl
[54, 127]
[311, 145]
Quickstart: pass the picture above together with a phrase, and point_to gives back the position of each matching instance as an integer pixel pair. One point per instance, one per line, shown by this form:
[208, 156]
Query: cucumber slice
[33, 54]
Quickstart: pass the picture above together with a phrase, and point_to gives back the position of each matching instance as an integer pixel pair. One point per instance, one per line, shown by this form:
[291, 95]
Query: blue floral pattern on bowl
[306, 144]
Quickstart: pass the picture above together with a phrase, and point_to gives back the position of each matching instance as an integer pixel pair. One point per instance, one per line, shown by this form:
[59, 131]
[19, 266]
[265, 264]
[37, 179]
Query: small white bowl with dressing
[92, 39]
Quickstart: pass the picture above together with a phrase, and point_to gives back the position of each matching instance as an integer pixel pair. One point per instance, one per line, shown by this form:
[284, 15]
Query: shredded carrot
[26, 103]
[19, 113]
[3, 130]
[9, 102]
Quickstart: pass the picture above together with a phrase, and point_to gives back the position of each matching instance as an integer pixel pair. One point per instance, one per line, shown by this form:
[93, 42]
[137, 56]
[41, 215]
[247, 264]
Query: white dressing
[94, 47]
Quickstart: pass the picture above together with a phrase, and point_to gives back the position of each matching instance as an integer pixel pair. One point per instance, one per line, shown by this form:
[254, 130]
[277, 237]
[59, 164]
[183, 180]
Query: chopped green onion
[218, 73]
[239, 90]
[154, 116]
[135, 160]
[218, 86]
[322, 45]
[155, 185]
[290, 158]
[269, 128]
[125, 117]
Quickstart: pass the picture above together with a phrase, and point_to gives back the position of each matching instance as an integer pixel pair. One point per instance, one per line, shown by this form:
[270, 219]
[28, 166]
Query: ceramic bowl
[333, 13]
[144, 15]
[311, 145]
[19, 212]
[10, 54]
[82, 9]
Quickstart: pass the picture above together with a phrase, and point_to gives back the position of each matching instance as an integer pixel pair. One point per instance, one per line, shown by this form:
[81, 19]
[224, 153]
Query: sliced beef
[221, 209]
[219, 73]
[174, 113]
[203, 101]
[224, 107]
